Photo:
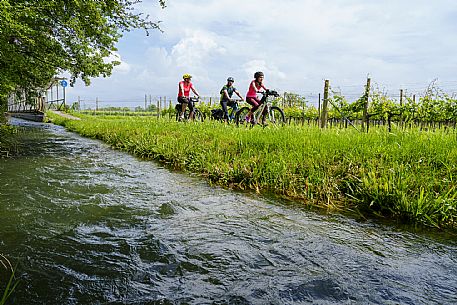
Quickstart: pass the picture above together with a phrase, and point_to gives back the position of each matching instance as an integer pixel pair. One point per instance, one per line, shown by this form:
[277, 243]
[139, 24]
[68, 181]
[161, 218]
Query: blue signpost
[64, 84]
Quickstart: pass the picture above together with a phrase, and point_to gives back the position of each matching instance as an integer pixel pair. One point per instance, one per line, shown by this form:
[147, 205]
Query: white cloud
[123, 67]
[195, 48]
[297, 43]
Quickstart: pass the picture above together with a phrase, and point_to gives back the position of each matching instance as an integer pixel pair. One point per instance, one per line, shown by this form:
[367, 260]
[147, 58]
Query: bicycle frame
[265, 114]
[263, 108]
[233, 109]
[218, 114]
[188, 115]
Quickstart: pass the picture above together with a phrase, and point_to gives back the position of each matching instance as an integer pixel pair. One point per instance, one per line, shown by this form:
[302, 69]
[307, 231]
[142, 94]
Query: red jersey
[186, 87]
[253, 92]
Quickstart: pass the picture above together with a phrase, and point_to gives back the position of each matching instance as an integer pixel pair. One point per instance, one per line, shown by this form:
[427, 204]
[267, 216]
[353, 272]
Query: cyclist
[226, 96]
[251, 97]
[183, 95]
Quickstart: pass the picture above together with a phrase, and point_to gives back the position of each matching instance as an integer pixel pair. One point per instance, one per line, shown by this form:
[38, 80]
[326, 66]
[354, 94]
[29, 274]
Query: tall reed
[11, 284]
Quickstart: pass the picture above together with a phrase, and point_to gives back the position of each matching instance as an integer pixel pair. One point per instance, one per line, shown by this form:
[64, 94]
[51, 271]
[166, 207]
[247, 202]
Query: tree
[41, 38]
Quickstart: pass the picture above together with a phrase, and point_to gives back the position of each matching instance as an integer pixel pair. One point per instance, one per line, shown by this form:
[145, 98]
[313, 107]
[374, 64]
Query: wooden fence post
[325, 105]
[160, 106]
[365, 107]
[401, 108]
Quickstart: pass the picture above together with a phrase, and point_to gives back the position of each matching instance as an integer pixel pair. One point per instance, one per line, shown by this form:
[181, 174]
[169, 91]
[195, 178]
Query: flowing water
[86, 224]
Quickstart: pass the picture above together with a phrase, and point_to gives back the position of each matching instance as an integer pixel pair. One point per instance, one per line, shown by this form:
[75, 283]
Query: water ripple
[90, 225]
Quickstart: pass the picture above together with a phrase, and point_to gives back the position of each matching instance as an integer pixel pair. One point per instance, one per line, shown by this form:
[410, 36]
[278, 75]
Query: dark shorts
[229, 103]
[185, 100]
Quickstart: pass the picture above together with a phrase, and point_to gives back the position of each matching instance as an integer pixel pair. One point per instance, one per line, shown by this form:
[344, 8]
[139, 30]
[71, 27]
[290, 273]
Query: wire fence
[413, 105]
[351, 93]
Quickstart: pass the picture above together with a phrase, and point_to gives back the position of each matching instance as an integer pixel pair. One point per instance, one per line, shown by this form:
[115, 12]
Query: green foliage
[151, 108]
[168, 111]
[41, 38]
[206, 108]
[293, 100]
[8, 141]
[340, 106]
[381, 106]
[432, 107]
[306, 112]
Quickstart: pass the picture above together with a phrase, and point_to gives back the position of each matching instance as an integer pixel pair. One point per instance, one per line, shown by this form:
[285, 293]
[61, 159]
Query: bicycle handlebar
[270, 93]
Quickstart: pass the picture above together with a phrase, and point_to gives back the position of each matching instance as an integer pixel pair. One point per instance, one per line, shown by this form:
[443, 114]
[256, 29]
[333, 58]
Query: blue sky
[297, 43]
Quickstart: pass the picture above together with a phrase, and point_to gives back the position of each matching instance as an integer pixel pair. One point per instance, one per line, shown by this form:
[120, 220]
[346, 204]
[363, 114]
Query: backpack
[217, 114]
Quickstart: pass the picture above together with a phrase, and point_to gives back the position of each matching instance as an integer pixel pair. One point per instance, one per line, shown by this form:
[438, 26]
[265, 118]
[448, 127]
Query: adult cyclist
[251, 97]
[183, 95]
[226, 96]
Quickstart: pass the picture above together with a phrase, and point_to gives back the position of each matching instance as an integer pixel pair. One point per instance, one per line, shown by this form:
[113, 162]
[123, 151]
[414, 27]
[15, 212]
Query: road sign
[63, 83]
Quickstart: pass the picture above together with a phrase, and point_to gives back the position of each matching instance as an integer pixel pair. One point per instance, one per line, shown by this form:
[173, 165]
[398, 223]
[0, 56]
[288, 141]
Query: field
[404, 175]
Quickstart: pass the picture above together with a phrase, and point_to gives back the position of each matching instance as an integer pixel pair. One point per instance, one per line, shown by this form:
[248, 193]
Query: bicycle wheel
[177, 111]
[198, 115]
[240, 117]
[186, 114]
[275, 117]
[232, 114]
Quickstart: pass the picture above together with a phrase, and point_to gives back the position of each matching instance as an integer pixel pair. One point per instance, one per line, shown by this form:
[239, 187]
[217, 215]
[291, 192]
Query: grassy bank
[409, 176]
[8, 140]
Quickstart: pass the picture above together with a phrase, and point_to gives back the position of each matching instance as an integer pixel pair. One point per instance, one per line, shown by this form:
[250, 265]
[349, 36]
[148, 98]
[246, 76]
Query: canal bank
[90, 225]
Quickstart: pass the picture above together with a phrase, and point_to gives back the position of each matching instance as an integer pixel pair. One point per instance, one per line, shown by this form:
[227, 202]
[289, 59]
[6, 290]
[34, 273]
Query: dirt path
[65, 115]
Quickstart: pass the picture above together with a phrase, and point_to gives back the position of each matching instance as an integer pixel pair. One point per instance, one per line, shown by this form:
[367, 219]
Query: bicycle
[198, 115]
[218, 114]
[266, 114]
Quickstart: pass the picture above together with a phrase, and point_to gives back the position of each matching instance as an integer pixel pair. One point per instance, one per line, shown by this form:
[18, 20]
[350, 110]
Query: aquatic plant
[12, 283]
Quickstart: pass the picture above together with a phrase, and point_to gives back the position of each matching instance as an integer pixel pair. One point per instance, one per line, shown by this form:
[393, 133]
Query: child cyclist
[183, 95]
[226, 96]
[251, 97]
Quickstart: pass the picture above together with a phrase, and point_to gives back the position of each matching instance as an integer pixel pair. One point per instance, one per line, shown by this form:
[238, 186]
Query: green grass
[408, 176]
[8, 138]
